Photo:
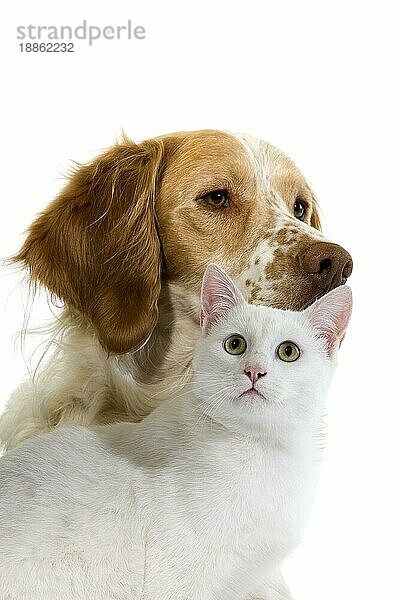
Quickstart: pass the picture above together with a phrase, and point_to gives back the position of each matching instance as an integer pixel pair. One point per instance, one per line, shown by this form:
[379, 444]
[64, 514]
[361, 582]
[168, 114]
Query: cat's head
[257, 366]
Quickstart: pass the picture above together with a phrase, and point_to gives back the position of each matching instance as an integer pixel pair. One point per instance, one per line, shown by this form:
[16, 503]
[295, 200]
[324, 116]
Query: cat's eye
[217, 199]
[299, 209]
[235, 344]
[288, 351]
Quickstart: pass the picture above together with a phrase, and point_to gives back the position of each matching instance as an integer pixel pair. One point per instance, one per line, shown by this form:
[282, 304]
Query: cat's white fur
[201, 500]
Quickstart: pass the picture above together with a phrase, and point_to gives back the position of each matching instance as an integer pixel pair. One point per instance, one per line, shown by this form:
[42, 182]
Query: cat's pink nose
[254, 373]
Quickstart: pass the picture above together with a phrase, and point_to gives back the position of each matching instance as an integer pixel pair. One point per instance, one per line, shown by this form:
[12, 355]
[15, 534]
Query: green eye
[288, 351]
[299, 209]
[218, 199]
[235, 344]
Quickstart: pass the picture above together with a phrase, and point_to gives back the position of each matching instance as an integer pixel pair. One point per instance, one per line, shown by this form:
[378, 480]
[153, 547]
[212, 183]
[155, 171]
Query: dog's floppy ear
[96, 245]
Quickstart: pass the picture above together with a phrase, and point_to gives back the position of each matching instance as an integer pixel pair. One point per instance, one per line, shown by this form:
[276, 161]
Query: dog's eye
[218, 199]
[299, 209]
[235, 344]
[288, 351]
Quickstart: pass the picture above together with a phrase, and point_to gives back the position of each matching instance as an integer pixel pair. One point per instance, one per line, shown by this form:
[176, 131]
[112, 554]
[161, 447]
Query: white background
[318, 79]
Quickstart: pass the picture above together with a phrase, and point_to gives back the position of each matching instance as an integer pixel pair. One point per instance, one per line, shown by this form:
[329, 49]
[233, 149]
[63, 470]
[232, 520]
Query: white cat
[205, 497]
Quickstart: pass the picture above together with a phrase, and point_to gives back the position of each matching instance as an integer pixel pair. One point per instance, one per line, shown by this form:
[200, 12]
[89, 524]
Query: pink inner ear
[219, 295]
[330, 315]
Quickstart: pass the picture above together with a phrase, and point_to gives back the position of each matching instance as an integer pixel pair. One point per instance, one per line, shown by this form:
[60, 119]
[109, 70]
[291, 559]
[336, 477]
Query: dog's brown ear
[96, 246]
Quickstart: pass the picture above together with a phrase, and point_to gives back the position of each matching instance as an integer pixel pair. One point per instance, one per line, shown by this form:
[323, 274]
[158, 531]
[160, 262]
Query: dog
[125, 246]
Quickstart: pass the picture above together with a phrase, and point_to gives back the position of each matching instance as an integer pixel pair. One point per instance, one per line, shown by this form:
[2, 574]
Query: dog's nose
[328, 264]
[254, 373]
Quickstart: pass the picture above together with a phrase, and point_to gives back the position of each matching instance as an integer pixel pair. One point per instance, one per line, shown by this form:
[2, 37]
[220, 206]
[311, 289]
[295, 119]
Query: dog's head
[162, 210]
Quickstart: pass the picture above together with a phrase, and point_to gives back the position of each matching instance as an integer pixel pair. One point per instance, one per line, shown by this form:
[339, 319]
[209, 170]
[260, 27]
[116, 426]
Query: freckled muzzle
[295, 273]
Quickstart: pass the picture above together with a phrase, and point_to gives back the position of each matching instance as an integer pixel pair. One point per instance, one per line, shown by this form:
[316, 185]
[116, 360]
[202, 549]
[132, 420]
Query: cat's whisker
[182, 390]
[212, 403]
[210, 400]
[183, 381]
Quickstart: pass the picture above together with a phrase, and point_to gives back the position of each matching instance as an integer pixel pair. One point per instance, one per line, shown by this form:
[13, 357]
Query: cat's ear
[330, 315]
[218, 296]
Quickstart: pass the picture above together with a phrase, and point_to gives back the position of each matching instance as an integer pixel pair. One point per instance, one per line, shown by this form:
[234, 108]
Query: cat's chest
[233, 514]
[262, 500]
